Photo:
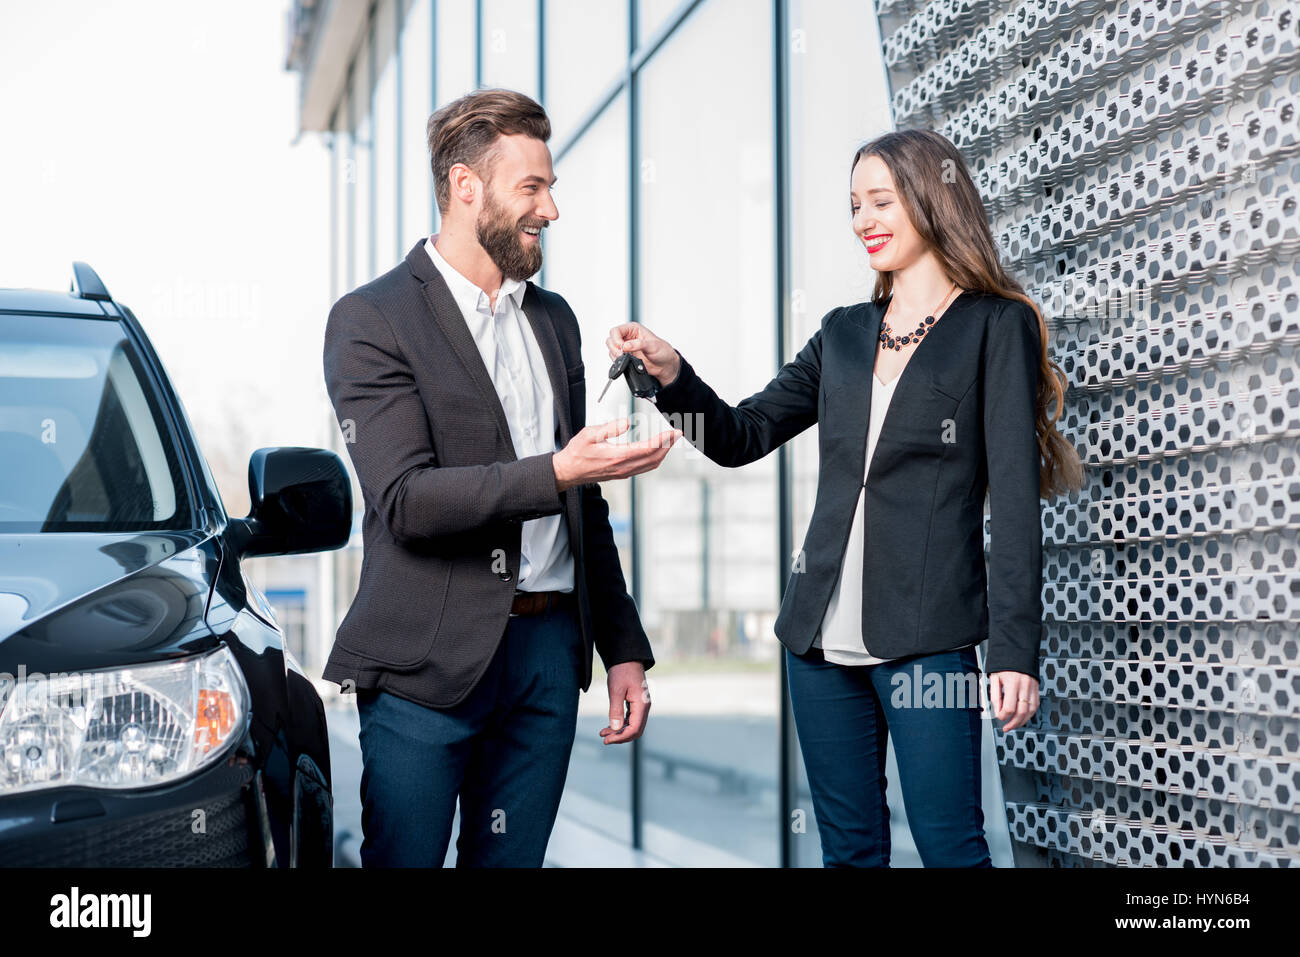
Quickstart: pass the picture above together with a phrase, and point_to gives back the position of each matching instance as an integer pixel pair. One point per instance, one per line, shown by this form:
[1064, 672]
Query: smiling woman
[926, 230]
[913, 432]
[872, 194]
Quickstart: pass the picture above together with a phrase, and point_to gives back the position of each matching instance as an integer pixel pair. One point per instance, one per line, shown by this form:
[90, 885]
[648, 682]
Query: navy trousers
[844, 715]
[504, 751]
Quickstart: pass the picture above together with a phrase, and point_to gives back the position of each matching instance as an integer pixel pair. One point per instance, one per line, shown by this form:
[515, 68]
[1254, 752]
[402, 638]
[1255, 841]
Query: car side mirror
[301, 502]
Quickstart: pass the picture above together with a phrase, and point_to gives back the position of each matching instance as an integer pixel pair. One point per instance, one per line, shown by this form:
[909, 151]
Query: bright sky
[152, 139]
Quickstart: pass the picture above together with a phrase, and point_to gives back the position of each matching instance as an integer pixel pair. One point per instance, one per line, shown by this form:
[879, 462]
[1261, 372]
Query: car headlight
[123, 728]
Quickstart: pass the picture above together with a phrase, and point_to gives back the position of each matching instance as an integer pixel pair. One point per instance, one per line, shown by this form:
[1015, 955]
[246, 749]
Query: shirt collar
[463, 290]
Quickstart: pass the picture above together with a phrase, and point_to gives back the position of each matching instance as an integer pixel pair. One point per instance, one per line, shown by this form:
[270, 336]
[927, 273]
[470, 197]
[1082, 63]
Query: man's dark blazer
[960, 424]
[445, 496]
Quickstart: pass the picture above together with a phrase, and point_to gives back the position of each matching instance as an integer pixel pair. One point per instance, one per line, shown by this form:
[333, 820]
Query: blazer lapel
[544, 330]
[860, 353]
[446, 313]
[539, 317]
[867, 315]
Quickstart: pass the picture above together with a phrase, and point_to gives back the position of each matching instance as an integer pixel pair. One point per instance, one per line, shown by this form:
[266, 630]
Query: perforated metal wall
[1139, 161]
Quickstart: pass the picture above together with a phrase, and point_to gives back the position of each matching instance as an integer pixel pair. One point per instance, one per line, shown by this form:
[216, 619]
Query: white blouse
[840, 636]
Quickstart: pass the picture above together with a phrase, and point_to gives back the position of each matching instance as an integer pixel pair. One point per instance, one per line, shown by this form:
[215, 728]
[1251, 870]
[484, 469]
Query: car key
[617, 369]
[642, 383]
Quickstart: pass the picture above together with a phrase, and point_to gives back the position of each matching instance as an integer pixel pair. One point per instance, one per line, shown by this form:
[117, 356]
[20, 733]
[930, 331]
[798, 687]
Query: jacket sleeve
[388, 437]
[737, 436]
[619, 636]
[1010, 395]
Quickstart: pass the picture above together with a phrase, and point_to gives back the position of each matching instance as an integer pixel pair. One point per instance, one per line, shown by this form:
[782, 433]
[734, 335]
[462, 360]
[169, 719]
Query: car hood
[73, 601]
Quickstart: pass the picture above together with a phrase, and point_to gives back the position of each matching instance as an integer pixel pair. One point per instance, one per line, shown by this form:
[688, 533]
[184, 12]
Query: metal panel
[1139, 163]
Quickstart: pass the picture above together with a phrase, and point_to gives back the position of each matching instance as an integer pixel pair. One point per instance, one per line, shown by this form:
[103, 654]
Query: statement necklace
[896, 343]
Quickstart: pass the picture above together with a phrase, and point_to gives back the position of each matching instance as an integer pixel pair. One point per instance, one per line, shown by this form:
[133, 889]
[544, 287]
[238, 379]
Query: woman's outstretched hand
[661, 359]
[1013, 695]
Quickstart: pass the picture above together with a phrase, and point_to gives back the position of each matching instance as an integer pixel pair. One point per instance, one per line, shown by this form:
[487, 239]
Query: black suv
[150, 712]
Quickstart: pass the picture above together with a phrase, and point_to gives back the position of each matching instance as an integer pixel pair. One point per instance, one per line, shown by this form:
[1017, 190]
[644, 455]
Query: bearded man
[489, 570]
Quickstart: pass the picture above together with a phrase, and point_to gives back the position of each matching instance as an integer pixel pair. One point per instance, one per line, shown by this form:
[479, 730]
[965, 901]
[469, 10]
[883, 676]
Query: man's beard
[498, 234]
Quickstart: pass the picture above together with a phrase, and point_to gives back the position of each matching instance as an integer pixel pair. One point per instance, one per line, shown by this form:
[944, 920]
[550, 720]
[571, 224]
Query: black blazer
[960, 423]
[445, 496]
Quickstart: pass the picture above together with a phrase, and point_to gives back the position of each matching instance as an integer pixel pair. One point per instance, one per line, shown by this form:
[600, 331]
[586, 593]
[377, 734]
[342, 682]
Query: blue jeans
[844, 715]
[504, 750]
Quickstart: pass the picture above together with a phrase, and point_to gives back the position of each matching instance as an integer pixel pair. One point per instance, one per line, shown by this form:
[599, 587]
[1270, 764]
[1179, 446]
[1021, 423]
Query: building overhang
[322, 38]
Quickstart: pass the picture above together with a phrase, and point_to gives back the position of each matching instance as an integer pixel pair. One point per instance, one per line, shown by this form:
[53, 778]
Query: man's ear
[463, 183]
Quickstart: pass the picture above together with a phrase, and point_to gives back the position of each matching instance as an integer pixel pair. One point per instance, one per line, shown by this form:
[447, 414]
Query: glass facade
[707, 535]
[702, 150]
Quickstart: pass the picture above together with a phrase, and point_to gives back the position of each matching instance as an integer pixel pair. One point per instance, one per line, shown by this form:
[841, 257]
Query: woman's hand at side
[1006, 689]
[660, 358]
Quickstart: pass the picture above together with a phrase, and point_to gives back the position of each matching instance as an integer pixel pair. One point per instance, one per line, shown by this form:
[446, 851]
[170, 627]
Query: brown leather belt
[536, 602]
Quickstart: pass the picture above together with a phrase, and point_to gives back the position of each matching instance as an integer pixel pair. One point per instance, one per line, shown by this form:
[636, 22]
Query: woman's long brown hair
[945, 209]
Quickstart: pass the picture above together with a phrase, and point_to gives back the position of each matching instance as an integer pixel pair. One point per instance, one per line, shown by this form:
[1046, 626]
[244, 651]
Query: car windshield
[82, 441]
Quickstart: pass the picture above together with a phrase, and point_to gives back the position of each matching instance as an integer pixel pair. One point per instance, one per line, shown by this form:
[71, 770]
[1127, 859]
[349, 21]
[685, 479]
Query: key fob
[642, 383]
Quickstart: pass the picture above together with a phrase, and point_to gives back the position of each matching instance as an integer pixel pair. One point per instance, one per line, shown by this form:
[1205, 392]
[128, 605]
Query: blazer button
[504, 576]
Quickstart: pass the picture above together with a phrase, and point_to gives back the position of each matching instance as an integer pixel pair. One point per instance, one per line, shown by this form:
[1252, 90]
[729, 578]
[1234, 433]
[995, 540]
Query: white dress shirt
[514, 361]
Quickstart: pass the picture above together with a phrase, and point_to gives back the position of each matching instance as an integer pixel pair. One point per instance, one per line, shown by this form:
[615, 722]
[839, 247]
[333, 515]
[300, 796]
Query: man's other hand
[627, 684]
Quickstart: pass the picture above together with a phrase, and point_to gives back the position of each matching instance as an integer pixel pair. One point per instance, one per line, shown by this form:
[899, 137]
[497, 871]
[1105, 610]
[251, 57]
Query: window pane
[587, 264]
[362, 156]
[455, 57]
[510, 45]
[344, 183]
[592, 33]
[417, 66]
[385, 137]
[82, 437]
[709, 535]
[652, 14]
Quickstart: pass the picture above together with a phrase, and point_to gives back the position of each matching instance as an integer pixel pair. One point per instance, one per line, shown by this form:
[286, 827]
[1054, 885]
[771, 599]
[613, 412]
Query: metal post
[785, 523]
[634, 315]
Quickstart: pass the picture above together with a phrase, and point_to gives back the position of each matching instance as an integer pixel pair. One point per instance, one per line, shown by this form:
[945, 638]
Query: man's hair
[466, 131]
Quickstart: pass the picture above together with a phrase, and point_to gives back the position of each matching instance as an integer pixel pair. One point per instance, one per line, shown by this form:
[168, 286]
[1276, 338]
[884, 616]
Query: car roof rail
[86, 283]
